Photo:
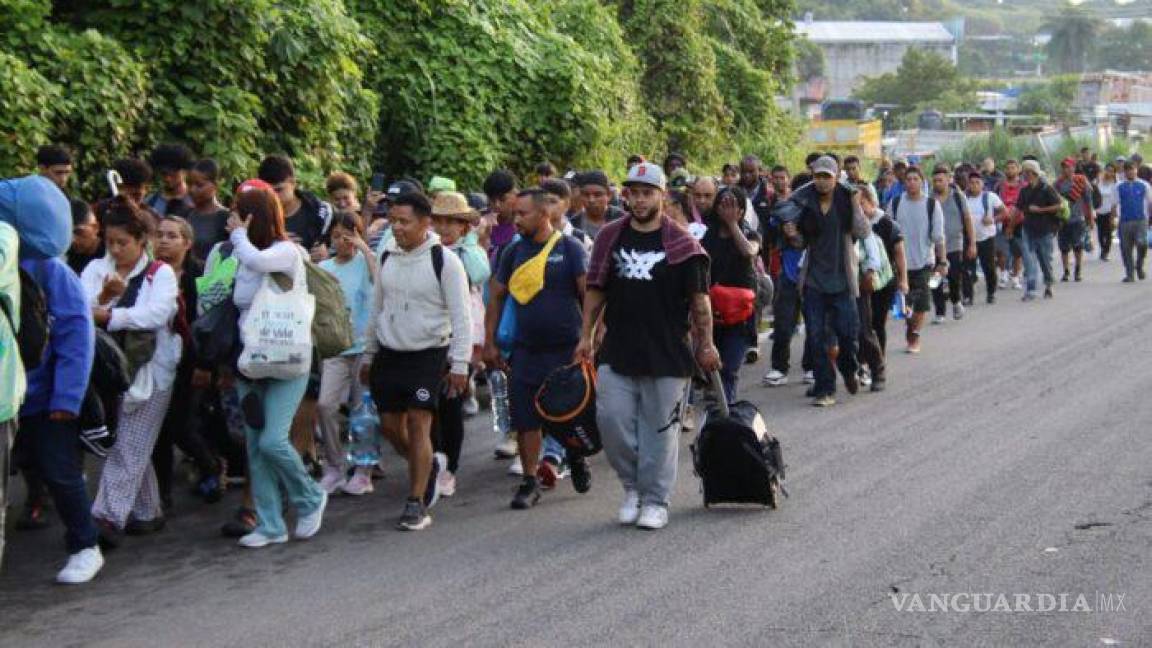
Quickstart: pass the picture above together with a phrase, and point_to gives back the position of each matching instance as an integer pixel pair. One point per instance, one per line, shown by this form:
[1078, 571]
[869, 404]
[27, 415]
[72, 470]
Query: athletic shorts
[919, 294]
[1071, 236]
[404, 380]
[529, 370]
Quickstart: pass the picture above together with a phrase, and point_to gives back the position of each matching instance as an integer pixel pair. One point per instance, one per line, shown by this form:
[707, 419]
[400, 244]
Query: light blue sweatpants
[272, 461]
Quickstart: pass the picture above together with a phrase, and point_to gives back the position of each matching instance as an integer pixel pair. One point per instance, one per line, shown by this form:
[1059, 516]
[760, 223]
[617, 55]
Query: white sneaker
[1003, 282]
[938, 319]
[774, 378]
[515, 468]
[653, 517]
[630, 508]
[308, 525]
[471, 407]
[865, 377]
[361, 482]
[809, 377]
[333, 479]
[957, 311]
[256, 540]
[1016, 285]
[82, 567]
[446, 483]
[508, 448]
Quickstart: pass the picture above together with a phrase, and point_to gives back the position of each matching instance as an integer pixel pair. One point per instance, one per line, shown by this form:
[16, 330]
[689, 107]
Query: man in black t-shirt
[1039, 203]
[649, 279]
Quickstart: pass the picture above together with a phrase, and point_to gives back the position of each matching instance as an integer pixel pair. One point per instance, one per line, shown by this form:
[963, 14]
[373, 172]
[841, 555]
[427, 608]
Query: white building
[857, 49]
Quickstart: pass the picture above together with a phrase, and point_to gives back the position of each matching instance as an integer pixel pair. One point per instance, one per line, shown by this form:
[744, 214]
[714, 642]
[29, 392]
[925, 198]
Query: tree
[1073, 33]
[1128, 48]
[923, 80]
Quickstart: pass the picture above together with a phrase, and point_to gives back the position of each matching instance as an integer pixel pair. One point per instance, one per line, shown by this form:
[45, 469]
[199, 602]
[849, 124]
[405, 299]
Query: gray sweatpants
[639, 420]
[1133, 246]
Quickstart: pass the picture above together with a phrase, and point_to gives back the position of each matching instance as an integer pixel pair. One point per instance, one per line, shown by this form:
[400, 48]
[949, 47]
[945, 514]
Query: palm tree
[1073, 32]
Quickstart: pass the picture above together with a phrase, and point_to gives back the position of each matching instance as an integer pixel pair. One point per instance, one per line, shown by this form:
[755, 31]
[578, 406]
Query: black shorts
[919, 294]
[404, 380]
[1071, 236]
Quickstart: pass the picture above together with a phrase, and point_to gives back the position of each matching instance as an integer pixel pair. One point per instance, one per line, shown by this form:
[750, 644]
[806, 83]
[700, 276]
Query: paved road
[972, 473]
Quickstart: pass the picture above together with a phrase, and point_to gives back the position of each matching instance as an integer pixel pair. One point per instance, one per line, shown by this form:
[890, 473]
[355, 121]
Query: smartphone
[377, 182]
[114, 182]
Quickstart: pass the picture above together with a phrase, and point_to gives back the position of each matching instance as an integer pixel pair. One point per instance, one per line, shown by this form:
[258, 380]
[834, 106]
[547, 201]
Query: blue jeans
[838, 312]
[732, 343]
[1037, 259]
[53, 450]
[272, 461]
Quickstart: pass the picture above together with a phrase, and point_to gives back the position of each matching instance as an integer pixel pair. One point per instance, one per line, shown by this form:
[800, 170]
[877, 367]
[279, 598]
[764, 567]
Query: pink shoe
[360, 484]
[333, 480]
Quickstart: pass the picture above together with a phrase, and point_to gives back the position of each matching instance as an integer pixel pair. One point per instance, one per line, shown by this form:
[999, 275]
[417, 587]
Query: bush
[27, 112]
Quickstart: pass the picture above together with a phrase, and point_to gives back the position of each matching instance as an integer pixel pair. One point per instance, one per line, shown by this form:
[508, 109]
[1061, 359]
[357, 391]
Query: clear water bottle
[898, 306]
[364, 433]
[501, 412]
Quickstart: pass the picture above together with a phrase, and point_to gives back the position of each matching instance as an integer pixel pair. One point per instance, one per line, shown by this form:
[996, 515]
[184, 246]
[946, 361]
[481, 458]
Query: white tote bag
[277, 335]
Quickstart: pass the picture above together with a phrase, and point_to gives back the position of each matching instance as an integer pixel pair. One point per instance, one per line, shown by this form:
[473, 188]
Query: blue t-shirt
[1133, 195]
[552, 320]
[354, 279]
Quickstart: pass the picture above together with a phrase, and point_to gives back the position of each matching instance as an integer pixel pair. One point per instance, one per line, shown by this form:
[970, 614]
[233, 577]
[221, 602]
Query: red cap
[1070, 161]
[253, 183]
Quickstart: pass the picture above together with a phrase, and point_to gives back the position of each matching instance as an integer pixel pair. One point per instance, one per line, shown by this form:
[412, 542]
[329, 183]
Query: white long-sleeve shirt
[156, 305]
[413, 311]
[254, 264]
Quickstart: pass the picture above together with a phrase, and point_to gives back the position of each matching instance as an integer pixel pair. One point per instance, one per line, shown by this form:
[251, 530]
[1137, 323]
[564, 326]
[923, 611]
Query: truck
[847, 127]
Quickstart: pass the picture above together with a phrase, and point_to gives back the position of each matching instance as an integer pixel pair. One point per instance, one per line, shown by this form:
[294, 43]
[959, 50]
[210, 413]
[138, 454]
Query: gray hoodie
[414, 311]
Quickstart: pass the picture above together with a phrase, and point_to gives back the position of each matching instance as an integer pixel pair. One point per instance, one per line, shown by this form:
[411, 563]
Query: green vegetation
[412, 87]
[925, 80]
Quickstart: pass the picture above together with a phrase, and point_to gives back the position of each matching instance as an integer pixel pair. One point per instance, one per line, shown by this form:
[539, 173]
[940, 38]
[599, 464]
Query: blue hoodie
[59, 383]
[40, 213]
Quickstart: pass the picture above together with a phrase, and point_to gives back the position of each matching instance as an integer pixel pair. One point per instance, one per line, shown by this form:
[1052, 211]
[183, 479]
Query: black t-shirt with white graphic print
[648, 308]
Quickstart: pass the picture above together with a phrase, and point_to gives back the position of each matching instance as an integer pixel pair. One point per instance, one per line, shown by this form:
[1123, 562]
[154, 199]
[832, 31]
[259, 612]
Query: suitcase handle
[718, 391]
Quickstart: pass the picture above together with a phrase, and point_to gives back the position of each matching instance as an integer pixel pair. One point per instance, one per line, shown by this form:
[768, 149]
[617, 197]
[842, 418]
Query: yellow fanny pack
[528, 280]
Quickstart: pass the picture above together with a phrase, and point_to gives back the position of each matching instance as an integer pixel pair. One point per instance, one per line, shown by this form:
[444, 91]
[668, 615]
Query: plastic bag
[277, 334]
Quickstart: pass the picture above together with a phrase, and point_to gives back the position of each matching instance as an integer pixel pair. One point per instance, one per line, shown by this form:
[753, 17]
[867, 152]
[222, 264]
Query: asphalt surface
[971, 473]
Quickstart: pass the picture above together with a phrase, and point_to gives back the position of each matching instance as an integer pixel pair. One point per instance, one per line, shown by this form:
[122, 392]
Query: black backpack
[35, 325]
[736, 459]
[567, 404]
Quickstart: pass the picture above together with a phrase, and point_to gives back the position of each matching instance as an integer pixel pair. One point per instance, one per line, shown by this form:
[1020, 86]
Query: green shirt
[12, 379]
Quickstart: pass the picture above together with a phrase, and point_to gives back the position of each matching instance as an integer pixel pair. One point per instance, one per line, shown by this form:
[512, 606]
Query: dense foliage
[412, 87]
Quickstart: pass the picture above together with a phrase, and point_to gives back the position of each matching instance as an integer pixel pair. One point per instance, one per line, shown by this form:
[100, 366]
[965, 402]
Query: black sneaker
[415, 516]
[878, 384]
[1076, 276]
[1048, 293]
[1140, 274]
[527, 495]
[1065, 277]
[852, 383]
[991, 299]
[241, 524]
[581, 474]
[144, 527]
[253, 408]
[753, 356]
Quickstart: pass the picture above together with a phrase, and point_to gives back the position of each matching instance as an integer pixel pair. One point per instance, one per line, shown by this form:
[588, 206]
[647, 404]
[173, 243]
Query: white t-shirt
[984, 225]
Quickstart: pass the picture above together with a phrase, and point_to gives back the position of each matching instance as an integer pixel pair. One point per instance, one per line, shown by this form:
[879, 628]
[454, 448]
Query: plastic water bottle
[364, 433]
[898, 307]
[501, 411]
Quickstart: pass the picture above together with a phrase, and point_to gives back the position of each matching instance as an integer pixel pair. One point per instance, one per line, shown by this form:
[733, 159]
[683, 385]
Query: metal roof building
[856, 49]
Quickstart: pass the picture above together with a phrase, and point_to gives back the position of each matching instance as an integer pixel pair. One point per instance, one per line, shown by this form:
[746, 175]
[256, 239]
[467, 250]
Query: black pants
[1105, 227]
[881, 306]
[956, 279]
[448, 430]
[181, 428]
[785, 313]
[986, 255]
[871, 353]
